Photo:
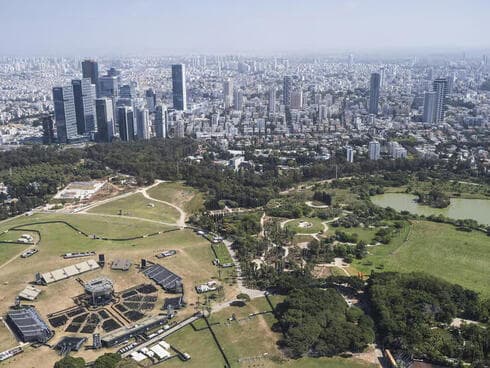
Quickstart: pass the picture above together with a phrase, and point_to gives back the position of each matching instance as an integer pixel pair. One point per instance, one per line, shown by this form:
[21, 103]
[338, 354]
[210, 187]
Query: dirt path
[253, 293]
[144, 191]
[183, 215]
[310, 204]
[262, 229]
[283, 223]
[128, 217]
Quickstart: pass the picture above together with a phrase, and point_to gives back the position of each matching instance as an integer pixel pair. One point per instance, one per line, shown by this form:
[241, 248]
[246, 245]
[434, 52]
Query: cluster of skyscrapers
[100, 108]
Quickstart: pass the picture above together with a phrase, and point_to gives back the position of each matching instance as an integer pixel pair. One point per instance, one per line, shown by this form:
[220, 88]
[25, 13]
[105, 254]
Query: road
[160, 337]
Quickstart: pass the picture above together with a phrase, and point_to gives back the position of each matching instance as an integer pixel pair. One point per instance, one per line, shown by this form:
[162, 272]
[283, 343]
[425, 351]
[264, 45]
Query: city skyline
[216, 26]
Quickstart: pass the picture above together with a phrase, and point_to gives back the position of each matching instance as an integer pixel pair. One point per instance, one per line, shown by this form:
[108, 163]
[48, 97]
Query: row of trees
[108, 360]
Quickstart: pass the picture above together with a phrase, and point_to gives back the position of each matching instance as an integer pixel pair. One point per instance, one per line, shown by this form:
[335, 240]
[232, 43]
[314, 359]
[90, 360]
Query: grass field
[363, 233]
[189, 199]
[222, 253]
[316, 225]
[437, 249]
[247, 337]
[193, 262]
[136, 205]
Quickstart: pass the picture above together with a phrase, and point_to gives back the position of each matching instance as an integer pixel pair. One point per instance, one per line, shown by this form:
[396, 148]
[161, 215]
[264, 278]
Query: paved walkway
[253, 293]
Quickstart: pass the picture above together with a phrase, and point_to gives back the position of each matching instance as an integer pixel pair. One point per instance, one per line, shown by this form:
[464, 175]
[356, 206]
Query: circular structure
[99, 291]
[305, 224]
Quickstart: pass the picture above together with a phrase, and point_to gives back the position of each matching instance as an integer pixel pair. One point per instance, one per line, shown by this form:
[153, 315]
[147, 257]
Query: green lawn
[199, 345]
[222, 253]
[316, 225]
[136, 205]
[438, 249]
[7, 251]
[247, 337]
[188, 198]
[363, 233]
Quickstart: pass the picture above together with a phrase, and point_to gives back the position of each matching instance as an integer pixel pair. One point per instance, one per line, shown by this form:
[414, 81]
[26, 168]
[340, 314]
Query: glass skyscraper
[374, 86]
[84, 97]
[178, 87]
[64, 113]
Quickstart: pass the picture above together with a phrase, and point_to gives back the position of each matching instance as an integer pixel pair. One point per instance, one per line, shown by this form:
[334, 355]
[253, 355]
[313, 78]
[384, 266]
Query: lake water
[476, 209]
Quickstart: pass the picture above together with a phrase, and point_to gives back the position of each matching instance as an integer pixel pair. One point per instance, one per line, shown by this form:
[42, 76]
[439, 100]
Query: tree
[70, 362]
[108, 360]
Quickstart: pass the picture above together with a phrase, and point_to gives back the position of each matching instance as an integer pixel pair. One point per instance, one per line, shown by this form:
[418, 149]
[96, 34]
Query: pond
[460, 209]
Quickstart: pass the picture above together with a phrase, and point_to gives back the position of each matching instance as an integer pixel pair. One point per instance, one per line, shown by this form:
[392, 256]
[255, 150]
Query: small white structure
[160, 352]
[209, 286]
[80, 190]
[30, 293]
[137, 356]
[64, 273]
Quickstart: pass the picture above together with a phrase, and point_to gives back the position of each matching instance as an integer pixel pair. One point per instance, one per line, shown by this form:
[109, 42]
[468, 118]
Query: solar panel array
[163, 277]
[28, 325]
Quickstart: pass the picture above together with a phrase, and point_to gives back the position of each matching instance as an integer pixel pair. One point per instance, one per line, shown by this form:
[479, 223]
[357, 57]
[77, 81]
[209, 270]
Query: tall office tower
[127, 91]
[286, 90]
[374, 150]
[161, 119]
[178, 87]
[349, 154]
[228, 93]
[272, 100]
[142, 123]
[382, 77]
[374, 86]
[440, 88]
[90, 69]
[84, 96]
[48, 130]
[108, 86]
[238, 100]
[105, 119]
[151, 99]
[64, 113]
[429, 107]
[125, 120]
[297, 100]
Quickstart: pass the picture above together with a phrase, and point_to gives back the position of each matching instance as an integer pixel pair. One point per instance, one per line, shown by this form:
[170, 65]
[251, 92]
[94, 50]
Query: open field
[246, 338]
[137, 205]
[193, 262]
[437, 249]
[363, 233]
[313, 225]
[222, 253]
[189, 199]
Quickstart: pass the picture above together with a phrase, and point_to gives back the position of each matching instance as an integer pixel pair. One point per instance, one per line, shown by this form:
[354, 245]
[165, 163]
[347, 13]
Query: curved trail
[183, 215]
[144, 191]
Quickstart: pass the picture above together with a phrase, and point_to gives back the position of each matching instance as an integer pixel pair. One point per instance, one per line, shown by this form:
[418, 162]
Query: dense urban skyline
[158, 27]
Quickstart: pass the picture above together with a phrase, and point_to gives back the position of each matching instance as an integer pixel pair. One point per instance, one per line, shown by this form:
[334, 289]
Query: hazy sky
[117, 27]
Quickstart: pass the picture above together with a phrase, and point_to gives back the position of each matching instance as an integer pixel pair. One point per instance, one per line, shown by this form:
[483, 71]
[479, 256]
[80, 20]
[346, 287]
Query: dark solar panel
[162, 276]
[29, 325]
